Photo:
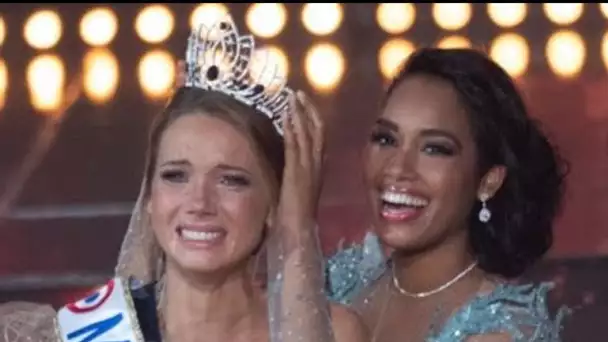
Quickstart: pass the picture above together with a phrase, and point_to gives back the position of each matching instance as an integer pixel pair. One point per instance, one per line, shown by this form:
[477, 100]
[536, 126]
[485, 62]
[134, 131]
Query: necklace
[434, 291]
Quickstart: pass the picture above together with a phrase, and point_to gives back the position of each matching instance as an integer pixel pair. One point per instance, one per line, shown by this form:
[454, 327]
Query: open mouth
[400, 206]
[207, 235]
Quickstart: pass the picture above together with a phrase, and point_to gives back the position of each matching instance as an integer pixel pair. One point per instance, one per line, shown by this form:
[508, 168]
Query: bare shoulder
[24, 321]
[348, 325]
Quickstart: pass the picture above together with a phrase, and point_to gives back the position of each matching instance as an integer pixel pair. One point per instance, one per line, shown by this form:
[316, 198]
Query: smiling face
[209, 196]
[421, 166]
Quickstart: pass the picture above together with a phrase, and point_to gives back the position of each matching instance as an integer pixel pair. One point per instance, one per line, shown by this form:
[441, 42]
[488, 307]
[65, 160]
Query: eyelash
[434, 149]
[180, 176]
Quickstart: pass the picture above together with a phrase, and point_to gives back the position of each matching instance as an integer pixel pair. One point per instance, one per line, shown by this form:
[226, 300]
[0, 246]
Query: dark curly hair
[523, 210]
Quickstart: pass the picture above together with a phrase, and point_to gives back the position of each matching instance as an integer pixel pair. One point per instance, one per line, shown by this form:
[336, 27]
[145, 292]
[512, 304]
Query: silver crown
[219, 59]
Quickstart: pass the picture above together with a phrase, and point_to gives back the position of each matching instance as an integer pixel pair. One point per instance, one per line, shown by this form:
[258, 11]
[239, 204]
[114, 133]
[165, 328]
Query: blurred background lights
[266, 20]
[392, 54]
[3, 82]
[101, 75]
[395, 18]
[154, 24]
[605, 49]
[98, 27]
[322, 18]
[2, 31]
[565, 52]
[43, 29]
[511, 52]
[562, 13]
[156, 74]
[46, 79]
[604, 9]
[324, 66]
[507, 15]
[208, 14]
[454, 42]
[452, 16]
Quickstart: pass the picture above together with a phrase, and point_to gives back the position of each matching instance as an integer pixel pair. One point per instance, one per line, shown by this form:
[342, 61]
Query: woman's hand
[304, 132]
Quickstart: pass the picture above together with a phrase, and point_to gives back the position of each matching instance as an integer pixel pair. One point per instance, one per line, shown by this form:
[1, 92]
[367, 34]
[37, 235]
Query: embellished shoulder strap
[107, 314]
[25, 322]
[352, 269]
[521, 311]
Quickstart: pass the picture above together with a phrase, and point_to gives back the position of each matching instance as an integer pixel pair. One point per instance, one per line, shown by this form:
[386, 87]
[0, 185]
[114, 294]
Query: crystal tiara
[218, 58]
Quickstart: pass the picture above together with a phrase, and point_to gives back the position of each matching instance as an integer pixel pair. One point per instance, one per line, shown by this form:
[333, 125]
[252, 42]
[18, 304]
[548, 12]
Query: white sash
[107, 315]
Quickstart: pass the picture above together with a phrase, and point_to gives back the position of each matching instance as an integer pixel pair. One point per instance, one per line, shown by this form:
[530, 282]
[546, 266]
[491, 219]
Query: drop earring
[484, 214]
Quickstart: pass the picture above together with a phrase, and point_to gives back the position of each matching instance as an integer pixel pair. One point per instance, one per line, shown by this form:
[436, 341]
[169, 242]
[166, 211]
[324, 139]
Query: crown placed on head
[219, 59]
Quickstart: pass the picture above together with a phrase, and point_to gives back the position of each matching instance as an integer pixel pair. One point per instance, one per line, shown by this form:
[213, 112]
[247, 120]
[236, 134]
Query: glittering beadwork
[520, 311]
[352, 269]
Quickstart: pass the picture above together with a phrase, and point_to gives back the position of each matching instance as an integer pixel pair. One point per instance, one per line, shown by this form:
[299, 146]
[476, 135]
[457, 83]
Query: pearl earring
[484, 214]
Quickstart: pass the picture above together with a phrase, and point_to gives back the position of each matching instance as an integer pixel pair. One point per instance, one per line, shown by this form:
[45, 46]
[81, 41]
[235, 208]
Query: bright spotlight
[156, 74]
[2, 31]
[563, 14]
[266, 20]
[452, 16]
[396, 18]
[392, 55]
[100, 75]
[324, 66]
[98, 26]
[46, 79]
[507, 15]
[154, 24]
[322, 18]
[512, 53]
[454, 42]
[43, 29]
[3, 83]
[566, 53]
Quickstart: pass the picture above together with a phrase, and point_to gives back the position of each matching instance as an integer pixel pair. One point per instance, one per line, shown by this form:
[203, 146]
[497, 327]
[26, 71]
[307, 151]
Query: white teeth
[403, 199]
[199, 236]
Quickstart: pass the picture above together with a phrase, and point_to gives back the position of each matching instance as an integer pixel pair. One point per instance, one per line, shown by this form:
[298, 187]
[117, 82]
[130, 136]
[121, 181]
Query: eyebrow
[433, 132]
[429, 132]
[226, 167]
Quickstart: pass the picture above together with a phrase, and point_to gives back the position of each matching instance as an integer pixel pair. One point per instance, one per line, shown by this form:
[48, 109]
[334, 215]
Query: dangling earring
[484, 214]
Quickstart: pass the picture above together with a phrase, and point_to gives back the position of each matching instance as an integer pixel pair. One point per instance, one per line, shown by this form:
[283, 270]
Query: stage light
[604, 9]
[563, 14]
[269, 65]
[43, 29]
[566, 53]
[3, 83]
[605, 49]
[454, 42]
[452, 16]
[208, 14]
[395, 18]
[100, 75]
[507, 15]
[2, 31]
[46, 80]
[512, 53]
[98, 26]
[266, 20]
[392, 55]
[324, 66]
[154, 24]
[156, 73]
[322, 19]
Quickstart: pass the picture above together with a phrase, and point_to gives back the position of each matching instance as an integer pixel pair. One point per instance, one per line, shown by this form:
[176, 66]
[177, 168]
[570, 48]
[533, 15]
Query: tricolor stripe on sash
[107, 314]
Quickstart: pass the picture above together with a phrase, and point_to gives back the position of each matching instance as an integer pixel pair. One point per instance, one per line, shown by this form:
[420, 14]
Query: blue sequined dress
[518, 310]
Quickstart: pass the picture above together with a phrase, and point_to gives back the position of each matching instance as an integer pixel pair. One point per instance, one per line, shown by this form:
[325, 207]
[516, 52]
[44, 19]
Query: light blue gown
[519, 310]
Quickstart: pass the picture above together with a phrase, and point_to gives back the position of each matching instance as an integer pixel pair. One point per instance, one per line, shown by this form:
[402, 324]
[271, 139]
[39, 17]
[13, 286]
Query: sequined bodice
[520, 311]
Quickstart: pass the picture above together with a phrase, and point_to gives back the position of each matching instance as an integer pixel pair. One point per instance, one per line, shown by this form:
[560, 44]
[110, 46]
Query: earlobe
[492, 182]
